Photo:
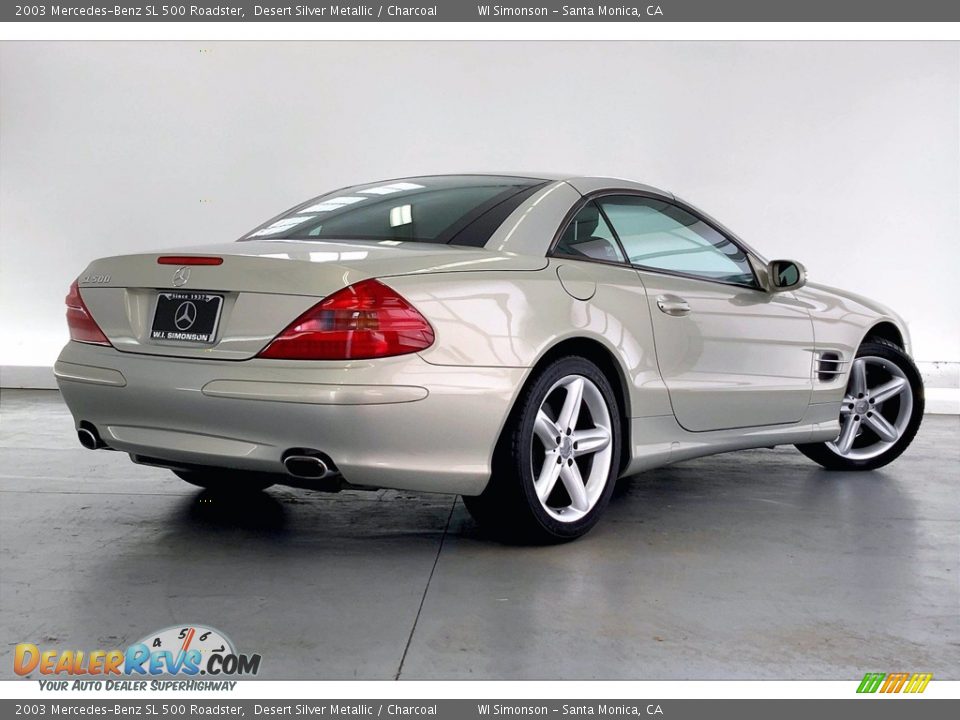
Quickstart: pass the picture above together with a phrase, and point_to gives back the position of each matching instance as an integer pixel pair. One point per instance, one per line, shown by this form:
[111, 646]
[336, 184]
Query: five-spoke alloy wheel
[558, 457]
[572, 451]
[880, 413]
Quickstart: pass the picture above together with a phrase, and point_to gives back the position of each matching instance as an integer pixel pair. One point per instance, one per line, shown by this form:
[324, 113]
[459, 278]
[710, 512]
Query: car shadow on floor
[748, 493]
[255, 511]
[292, 517]
[767, 483]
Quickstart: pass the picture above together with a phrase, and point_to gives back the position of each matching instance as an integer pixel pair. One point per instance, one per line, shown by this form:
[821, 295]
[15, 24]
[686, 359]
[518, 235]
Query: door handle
[673, 305]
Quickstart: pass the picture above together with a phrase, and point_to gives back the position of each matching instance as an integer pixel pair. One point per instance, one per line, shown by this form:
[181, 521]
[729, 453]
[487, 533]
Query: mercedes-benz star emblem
[180, 276]
[186, 316]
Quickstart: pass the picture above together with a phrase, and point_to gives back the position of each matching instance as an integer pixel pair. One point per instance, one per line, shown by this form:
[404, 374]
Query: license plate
[186, 317]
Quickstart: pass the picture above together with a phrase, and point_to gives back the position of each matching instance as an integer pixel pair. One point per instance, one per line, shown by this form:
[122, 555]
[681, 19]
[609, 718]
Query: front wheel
[880, 414]
[223, 480]
[558, 459]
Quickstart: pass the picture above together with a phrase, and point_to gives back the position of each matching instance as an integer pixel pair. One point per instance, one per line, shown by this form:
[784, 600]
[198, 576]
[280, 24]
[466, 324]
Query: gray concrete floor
[749, 565]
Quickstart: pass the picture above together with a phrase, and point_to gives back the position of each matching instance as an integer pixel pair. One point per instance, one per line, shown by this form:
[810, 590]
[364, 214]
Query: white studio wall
[845, 156]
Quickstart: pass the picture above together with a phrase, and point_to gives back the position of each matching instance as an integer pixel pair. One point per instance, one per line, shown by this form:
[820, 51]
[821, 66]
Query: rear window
[436, 209]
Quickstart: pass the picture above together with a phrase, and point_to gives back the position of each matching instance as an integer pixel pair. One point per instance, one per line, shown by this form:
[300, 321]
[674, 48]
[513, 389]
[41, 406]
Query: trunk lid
[264, 286]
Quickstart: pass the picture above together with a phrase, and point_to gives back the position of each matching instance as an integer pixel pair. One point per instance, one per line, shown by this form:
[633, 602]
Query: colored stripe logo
[894, 682]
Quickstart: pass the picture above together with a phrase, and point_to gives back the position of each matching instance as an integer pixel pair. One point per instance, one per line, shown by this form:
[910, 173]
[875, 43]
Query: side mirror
[785, 275]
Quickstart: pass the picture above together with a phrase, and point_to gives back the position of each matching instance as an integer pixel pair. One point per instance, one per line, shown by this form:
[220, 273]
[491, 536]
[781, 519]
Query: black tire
[225, 481]
[877, 347]
[509, 505]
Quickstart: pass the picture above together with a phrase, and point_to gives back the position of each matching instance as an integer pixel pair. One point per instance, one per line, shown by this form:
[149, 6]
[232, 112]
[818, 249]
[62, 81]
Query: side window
[661, 236]
[589, 236]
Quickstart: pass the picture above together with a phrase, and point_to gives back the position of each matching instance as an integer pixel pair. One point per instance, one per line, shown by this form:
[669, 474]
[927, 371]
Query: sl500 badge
[95, 279]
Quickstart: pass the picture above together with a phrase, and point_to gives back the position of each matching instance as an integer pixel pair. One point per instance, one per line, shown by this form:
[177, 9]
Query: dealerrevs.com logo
[186, 650]
[899, 682]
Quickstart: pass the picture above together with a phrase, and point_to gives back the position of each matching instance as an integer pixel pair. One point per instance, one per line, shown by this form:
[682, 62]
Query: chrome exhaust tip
[305, 467]
[89, 439]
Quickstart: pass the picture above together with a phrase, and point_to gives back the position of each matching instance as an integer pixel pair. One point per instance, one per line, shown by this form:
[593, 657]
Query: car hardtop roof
[582, 183]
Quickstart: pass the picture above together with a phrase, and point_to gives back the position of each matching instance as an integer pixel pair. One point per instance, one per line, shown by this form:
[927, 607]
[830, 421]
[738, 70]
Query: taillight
[82, 326]
[365, 320]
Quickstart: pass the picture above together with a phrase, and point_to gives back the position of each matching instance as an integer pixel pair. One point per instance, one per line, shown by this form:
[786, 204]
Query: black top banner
[481, 11]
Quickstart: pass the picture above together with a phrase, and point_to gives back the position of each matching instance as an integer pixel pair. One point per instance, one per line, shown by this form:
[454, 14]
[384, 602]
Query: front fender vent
[828, 366]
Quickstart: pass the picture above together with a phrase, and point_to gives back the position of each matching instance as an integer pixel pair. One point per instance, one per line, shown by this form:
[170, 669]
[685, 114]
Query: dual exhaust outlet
[89, 437]
[312, 469]
[306, 467]
[301, 463]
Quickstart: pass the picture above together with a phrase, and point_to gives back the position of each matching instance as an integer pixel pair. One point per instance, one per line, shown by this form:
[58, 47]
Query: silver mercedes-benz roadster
[521, 341]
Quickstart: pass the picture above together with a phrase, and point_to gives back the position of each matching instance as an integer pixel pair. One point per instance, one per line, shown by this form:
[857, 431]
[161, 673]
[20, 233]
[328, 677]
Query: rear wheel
[881, 411]
[557, 461]
[223, 480]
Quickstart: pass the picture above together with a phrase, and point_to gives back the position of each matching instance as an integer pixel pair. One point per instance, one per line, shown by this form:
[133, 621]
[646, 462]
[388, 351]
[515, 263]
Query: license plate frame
[189, 317]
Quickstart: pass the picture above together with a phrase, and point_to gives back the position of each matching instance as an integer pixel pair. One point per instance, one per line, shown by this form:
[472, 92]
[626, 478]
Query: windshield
[434, 209]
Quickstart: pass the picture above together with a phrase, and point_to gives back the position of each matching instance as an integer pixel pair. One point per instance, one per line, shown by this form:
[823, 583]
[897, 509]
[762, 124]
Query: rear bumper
[397, 422]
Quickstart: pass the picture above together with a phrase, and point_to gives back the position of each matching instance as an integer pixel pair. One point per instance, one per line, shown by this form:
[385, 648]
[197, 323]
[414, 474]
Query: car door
[731, 354]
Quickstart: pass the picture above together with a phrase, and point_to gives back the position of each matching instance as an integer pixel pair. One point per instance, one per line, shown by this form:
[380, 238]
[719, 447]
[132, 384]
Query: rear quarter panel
[492, 319]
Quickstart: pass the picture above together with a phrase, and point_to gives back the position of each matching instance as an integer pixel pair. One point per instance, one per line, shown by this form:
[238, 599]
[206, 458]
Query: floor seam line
[426, 589]
[93, 492]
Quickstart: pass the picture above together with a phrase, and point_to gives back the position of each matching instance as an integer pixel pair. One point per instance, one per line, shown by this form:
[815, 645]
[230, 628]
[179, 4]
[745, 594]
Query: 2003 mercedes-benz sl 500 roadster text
[521, 341]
